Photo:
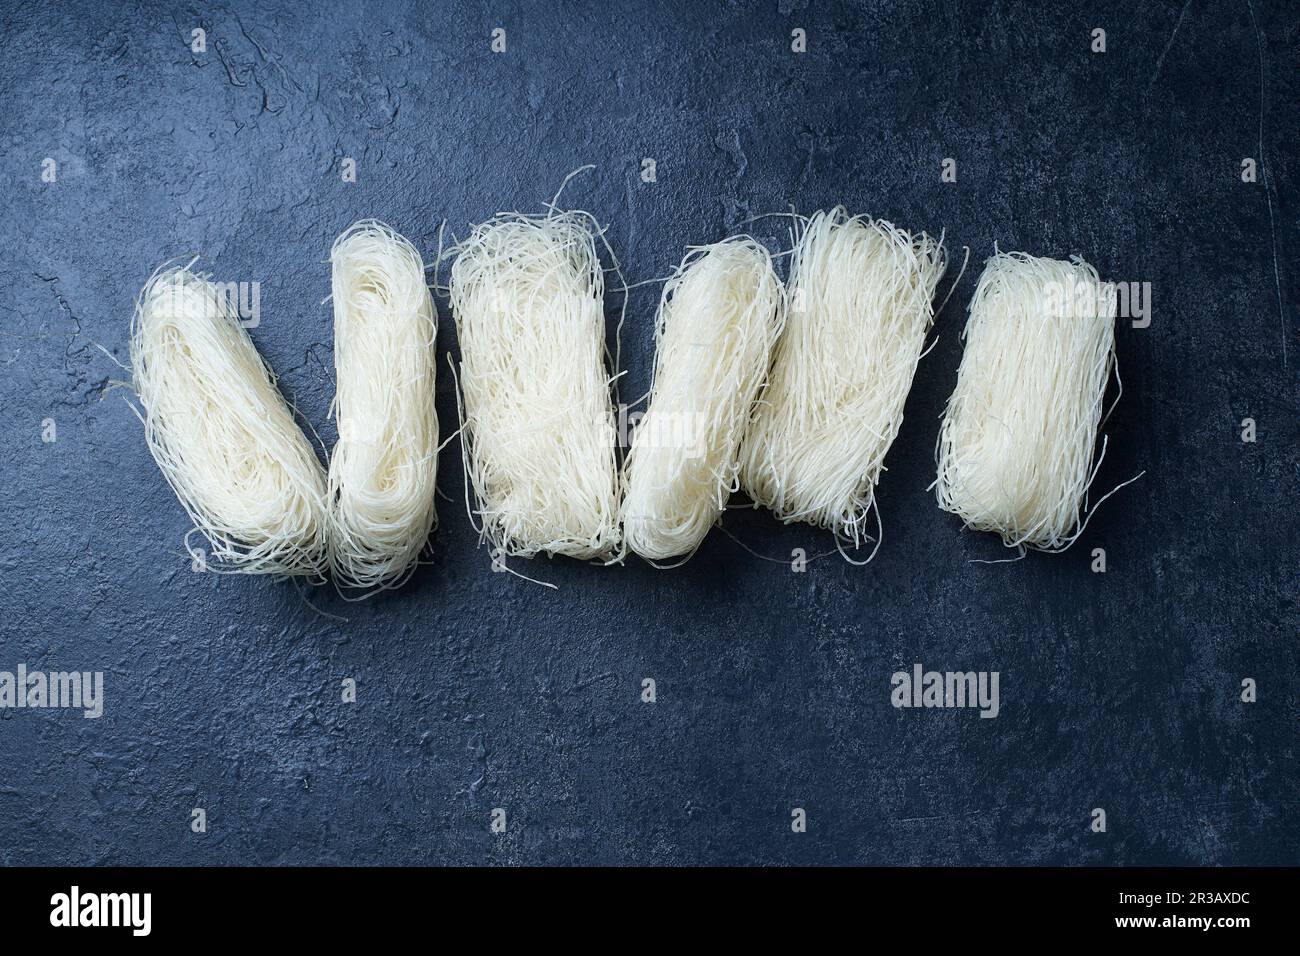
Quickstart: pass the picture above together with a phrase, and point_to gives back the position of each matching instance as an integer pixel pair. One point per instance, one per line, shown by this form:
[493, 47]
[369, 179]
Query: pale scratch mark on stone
[1268, 192]
[1165, 52]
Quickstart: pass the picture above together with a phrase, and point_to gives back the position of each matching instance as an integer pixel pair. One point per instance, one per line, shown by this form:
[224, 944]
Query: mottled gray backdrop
[477, 690]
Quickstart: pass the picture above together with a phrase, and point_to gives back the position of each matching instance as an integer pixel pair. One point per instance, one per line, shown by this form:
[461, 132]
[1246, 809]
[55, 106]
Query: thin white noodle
[719, 317]
[860, 304]
[1015, 451]
[384, 467]
[221, 432]
[527, 294]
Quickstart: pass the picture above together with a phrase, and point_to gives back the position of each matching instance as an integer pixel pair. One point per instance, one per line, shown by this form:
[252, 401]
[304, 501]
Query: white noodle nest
[222, 434]
[1015, 450]
[860, 306]
[384, 467]
[719, 316]
[527, 294]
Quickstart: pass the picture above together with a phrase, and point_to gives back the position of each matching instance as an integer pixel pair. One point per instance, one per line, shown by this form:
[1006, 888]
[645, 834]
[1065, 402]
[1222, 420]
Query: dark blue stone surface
[478, 690]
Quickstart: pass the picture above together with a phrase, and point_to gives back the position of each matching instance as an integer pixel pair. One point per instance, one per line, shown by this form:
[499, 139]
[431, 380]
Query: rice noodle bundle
[1015, 450]
[719, 317]
[384, 467]
[860, 295]
[527, 294]
[222, 434]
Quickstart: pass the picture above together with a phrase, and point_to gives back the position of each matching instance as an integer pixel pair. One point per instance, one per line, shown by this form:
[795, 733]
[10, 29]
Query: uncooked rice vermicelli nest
[384, 467]
[527, 294]
[860, 306]
[719, 318]
[1016, 446]
[222, 434]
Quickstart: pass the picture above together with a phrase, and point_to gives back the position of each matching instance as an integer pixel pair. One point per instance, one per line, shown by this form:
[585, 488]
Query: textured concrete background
[478, 690]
